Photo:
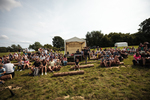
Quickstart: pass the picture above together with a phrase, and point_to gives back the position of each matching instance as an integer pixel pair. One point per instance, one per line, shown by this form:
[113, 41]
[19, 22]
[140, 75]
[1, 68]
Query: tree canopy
[35, 46]
[58, 42]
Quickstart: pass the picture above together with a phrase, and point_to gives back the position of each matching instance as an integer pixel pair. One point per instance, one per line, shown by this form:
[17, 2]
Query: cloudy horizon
[24, 22]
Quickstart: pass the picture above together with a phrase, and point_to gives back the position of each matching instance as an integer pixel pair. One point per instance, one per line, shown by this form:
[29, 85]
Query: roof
[121, 43]
[75, 39]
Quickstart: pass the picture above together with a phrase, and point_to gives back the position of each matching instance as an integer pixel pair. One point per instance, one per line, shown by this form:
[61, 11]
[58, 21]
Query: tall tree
[47, 46]
[58, 42]
[93, 38]
[144, 29]
[35, 46]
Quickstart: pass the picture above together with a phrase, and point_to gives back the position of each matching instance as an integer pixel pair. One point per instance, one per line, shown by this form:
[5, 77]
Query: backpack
[36, 72]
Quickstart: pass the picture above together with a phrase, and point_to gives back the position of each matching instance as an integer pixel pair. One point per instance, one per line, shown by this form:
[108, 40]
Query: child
[76, 64]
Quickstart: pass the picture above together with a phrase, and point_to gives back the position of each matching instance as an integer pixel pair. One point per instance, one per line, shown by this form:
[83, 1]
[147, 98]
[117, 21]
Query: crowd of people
[47, 60]
[44, 60]
[142, 56]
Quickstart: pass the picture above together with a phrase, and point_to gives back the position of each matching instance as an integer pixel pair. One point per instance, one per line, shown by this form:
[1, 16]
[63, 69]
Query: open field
[97, 83]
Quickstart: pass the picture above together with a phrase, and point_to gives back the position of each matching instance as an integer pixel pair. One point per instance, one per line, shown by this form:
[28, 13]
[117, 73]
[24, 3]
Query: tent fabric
[121, 44]
[72, 44]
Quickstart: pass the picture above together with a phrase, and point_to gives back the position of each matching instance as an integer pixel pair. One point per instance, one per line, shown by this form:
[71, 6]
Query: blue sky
[26, 21]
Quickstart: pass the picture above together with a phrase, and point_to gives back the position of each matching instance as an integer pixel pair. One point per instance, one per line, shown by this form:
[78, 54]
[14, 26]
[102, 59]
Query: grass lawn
[97, 83]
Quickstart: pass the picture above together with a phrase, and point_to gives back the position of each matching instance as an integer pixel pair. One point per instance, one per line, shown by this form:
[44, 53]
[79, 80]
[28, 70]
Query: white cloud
[9, 4]
[4, 37]
[26, 42]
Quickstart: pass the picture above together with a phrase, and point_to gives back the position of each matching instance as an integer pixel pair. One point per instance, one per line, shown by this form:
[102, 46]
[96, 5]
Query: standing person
[9, 67]
[85, 54]
[65, 60]
[76, 64]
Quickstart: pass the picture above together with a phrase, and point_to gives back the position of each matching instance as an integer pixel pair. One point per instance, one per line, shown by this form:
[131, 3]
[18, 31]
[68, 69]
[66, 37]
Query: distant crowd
[47, 60]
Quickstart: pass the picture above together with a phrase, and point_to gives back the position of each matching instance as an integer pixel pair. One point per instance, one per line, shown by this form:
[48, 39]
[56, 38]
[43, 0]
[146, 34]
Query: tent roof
[75, 39]
[121, 43]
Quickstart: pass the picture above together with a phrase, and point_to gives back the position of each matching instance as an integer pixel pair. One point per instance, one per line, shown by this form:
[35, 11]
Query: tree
[35, 46]
[144, 29]
[58, 42]
[145, 26]
[94, 38]
[48, 46]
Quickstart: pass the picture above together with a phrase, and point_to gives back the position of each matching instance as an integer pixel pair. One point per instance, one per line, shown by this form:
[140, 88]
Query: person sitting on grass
[36, 65]
[108, 62]
[1, 61]
[111, 59]
[143, 58]
[20, 65]
[10, 57]
[76, 64]
[58, 64]
[2, 70]
[137, 59]
[10, 68]
[26, 63]
[52, 65]
[44, 65]
[116, 60]
[102, 61]
[65, 60]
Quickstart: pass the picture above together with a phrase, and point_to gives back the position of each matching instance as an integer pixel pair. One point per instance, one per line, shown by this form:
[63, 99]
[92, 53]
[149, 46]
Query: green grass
[97, 83]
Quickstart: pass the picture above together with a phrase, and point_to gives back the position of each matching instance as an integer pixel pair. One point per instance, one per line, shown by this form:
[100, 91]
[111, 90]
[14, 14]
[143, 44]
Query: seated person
[116, 60]
[103, 62]
[137, 58]
[1, 61]
[108, 62]
[26, 63]
[10, 57]
[143, 58]
[20, 65]
[9, 67]
[2, 70]
[58, 64]
[94, 55]
[65, 60]
[36, 65]
[111, 59]
[44, 65]
[52, 65]
[77, 52]
[76, 64]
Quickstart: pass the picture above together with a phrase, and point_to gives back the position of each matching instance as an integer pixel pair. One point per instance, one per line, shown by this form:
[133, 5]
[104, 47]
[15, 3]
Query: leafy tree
[144, 29]
[3, 49]
[58, 42]
[93, 38]
[47, 46]
[35, 46]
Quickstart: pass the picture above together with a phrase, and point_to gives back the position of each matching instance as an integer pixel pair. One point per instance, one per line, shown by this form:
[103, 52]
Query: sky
[24, 22]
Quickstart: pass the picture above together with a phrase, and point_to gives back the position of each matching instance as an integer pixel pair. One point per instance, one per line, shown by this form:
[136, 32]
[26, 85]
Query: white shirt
[42, 58]
[52, 63]
[9, 67]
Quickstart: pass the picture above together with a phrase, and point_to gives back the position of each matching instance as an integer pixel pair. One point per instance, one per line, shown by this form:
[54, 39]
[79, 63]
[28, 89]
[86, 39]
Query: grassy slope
[130, 82]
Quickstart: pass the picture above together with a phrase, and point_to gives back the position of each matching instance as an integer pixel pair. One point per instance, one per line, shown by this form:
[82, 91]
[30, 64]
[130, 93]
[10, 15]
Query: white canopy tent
[121, 44]
[71, 45]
